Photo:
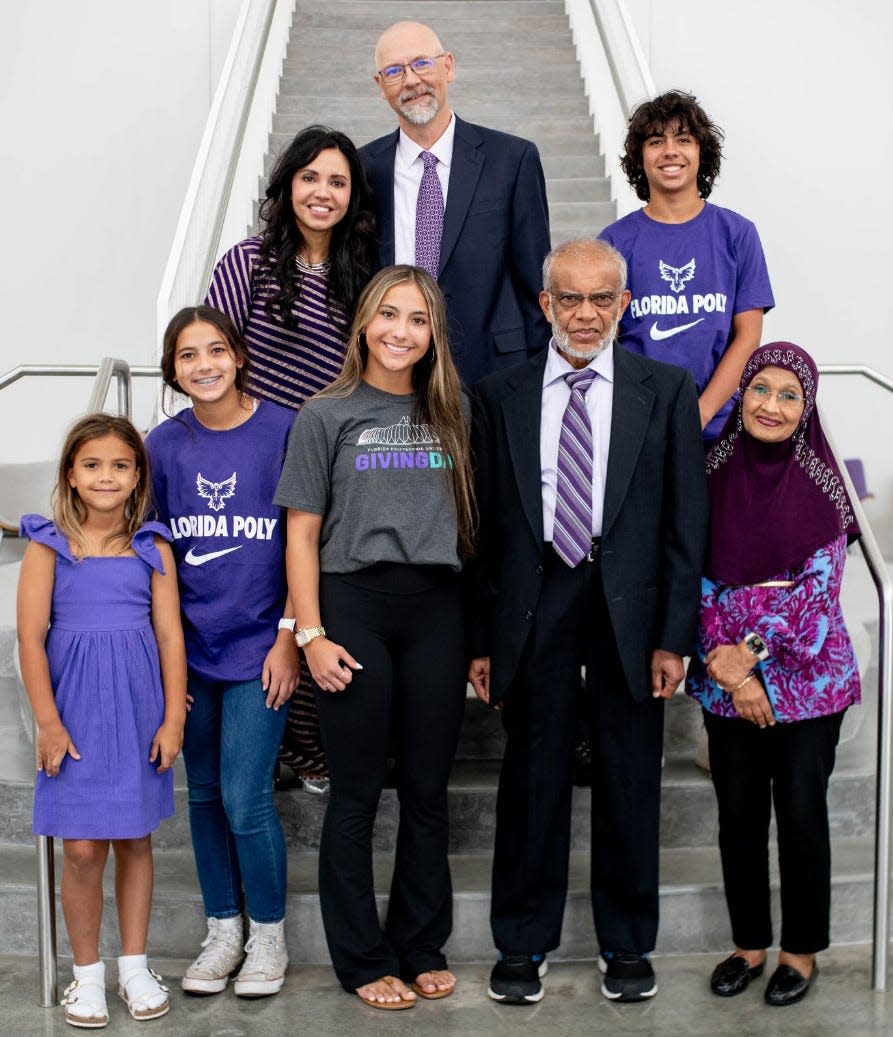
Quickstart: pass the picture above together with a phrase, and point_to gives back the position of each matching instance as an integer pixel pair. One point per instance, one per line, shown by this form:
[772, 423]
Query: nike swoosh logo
[194, 559]
[657, 335]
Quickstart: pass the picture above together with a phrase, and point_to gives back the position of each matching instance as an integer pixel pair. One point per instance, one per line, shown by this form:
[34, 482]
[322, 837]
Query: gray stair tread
[681, 870]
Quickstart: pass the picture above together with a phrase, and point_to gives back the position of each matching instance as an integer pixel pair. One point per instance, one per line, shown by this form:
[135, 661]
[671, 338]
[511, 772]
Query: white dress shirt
[408, 169]
[599, 404]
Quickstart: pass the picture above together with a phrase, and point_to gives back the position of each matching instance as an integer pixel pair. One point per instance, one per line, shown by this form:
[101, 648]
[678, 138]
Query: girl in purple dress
[774, 669]
[107, 684]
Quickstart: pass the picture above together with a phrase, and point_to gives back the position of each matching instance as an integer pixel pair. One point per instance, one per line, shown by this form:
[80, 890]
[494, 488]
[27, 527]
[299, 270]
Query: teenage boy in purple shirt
[697, 272]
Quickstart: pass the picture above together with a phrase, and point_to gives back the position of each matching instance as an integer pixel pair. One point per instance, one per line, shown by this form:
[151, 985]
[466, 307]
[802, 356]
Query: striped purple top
[287, 366]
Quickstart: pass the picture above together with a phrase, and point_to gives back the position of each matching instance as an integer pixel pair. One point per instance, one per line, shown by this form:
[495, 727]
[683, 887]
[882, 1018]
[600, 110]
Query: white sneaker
[222, 953]
[266, 959]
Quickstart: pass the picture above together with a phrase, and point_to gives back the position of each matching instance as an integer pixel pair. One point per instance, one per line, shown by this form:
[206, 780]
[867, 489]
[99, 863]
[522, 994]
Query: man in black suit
[495, 222]
[621, 601]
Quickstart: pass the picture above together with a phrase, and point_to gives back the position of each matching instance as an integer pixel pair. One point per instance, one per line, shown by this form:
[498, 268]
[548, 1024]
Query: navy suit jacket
[654, 524]
[495, 237]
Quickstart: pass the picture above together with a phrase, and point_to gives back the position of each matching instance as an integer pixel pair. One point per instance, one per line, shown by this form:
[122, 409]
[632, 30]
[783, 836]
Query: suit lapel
[631, 411]
[467, 163]
[380, 172]
[523, 413]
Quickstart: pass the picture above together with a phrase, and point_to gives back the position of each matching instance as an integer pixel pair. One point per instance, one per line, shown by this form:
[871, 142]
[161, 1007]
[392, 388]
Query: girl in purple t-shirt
[215, 469]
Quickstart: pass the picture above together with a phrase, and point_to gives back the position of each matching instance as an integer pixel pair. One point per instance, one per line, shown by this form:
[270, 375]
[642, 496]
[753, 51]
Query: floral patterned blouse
[811, 670]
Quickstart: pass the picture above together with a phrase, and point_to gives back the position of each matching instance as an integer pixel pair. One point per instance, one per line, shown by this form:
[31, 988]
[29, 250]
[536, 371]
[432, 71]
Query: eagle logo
[677, 275]
[215, 492]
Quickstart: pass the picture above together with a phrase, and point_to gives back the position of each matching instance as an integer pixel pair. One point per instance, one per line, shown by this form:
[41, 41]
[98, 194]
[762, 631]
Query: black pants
[530, 863]
[404, 624]
[790, 764]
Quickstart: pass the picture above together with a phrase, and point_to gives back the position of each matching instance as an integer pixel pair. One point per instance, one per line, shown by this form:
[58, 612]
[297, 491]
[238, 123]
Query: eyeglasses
[569, 301]
[785, 399]
[421, 66]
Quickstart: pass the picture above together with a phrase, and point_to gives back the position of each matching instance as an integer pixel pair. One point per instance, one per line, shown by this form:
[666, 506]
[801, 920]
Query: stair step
[688, 810]
[693, 912]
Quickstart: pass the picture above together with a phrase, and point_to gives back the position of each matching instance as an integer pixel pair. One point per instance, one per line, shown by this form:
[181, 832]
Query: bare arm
[168, 629]
[35, 593]
[282, 665]
[747, 328]
[330, 664]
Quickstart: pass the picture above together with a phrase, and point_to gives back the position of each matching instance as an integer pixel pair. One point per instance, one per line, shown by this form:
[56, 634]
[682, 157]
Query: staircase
[516, 71]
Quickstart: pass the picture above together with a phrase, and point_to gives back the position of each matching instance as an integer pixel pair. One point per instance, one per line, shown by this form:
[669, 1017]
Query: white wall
[102, 106]
[802, 89]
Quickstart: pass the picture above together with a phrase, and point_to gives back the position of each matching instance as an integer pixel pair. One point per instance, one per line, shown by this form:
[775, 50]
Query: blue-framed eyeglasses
[421, 66]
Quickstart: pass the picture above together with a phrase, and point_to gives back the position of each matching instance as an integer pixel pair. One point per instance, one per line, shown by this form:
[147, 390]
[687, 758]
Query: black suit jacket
[654, 526]
[495, 237]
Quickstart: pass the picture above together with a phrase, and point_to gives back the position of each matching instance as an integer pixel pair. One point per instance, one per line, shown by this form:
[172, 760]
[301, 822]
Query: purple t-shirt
[688, 280]
[214, 490]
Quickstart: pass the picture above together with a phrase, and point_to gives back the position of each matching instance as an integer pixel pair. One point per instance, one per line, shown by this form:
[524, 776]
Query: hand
[189, 700]
[479, 678]
[752, 703]
[166, 745]
[53, 745]
[330, 664]
[728, 665]
[667, 672]
[282, 668]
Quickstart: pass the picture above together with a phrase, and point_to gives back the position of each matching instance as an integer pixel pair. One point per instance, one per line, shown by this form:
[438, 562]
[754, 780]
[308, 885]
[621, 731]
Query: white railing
[616, 77]
[223, 185]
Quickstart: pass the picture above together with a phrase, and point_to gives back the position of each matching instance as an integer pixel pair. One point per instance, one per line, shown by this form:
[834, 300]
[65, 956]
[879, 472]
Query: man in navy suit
[495, 221]
[589, 554]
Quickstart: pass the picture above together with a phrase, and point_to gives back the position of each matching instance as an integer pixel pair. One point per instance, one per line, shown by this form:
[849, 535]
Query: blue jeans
[230, 748]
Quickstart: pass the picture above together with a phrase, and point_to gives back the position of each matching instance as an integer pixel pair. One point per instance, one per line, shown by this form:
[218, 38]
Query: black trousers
[404, 624]
[571, 629]
[790, 764]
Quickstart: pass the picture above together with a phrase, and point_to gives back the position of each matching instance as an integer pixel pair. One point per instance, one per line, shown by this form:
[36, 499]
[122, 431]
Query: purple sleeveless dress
[106, 678]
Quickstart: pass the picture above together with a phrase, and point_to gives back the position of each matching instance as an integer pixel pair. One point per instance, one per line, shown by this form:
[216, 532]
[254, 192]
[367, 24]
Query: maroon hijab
[772, 505]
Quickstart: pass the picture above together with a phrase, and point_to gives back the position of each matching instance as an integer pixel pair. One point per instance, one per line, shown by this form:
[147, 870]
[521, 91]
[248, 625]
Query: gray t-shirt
[380, 481]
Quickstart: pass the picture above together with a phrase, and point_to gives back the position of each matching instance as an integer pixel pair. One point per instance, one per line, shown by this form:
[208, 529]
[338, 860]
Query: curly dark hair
[352, 248]
[651, 118]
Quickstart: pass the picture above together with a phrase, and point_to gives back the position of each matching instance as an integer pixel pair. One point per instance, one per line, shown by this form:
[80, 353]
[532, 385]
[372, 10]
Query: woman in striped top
[291, 289]
[291, 292]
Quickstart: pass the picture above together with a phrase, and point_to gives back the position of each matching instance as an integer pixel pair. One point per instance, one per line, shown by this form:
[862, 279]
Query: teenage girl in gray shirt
[378, 485]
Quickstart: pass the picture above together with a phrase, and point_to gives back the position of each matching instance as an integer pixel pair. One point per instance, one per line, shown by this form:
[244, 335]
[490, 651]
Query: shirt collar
[408, 151]
[557, 366]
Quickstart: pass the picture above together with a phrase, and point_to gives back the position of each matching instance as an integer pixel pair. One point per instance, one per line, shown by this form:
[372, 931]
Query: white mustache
[424, 92]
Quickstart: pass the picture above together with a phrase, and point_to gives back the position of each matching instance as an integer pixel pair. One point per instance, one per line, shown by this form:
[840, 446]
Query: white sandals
[144, 993]
[84, 998]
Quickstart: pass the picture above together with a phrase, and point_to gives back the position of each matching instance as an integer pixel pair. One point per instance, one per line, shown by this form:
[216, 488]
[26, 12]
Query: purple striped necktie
[429, 217]
[572, 535]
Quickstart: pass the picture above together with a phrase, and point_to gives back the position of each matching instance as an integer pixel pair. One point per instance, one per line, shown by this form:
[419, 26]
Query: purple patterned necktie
[572, 535]
[429, 217]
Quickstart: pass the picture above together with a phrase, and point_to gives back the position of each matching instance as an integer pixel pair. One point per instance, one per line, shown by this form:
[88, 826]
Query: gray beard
[420, 115]
[562, 340]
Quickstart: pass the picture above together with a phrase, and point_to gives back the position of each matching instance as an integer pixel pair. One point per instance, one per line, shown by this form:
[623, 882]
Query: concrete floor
[313, 1003]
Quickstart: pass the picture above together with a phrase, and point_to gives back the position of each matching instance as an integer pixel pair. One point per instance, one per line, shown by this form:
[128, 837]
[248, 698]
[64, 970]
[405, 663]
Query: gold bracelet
[749, 677]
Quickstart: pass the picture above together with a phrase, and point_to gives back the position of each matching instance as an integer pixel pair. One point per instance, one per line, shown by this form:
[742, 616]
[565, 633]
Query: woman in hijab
[774, 669]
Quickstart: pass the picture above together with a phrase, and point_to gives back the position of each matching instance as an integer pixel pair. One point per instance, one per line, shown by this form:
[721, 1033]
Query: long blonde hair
[435, 382]
[69, 511]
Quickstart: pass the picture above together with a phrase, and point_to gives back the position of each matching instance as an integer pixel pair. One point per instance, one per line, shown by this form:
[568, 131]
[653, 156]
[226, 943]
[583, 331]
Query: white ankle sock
[142, 986]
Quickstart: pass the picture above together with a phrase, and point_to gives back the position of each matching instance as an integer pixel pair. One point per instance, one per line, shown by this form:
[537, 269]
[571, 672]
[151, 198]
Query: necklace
[247, 407]
[313, 268]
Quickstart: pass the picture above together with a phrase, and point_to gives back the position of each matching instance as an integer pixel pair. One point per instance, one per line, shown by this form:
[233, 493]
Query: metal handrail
[104, 372]
[877, 567]
[75, 371]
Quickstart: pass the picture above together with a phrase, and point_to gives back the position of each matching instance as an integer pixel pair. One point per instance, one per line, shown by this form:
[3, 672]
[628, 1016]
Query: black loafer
[733, 976]
[786, 985]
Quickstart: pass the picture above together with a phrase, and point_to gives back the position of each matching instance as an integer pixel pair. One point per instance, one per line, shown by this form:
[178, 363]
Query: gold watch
[306, 634]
